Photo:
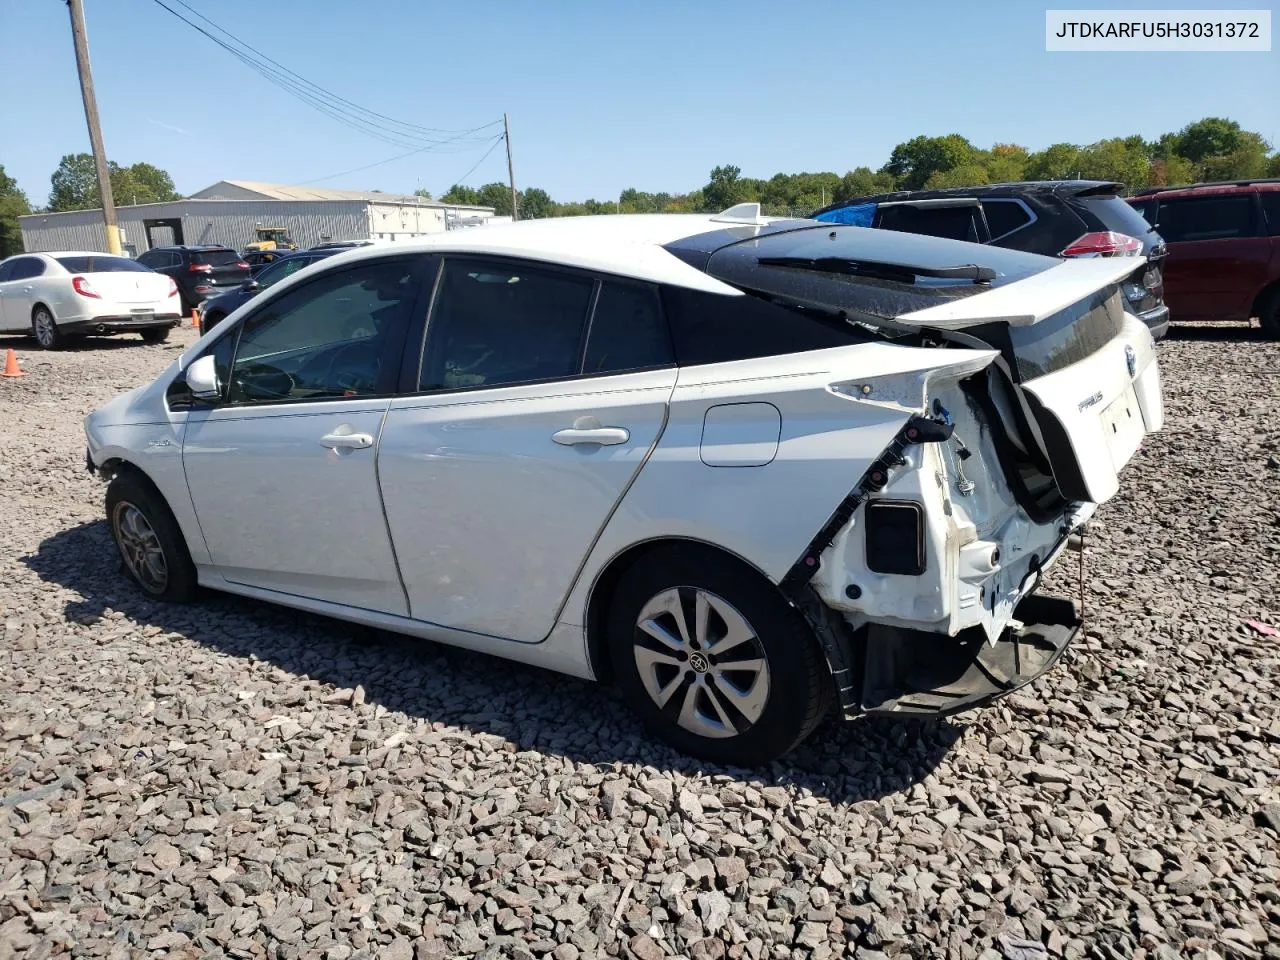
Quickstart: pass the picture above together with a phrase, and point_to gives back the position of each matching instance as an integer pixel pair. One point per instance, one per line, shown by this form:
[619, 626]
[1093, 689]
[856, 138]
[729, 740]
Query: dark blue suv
[213, 312]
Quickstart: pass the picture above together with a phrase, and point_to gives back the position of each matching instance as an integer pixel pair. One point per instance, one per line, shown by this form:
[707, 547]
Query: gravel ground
[233, 779]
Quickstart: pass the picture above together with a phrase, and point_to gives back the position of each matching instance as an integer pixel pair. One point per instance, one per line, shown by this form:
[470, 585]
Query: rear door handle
[605, 436]
[346, 441]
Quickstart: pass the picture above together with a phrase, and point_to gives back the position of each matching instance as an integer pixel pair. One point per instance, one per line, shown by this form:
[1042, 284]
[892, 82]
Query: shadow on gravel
[534, 708]
[1216, 332]
[121, 341]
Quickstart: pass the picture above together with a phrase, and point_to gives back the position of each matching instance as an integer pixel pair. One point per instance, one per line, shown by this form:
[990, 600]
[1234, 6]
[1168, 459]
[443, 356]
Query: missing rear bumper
[927, 674]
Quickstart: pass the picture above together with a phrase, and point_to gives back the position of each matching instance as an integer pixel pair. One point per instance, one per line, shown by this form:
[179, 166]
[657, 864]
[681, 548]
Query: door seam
[382, 505]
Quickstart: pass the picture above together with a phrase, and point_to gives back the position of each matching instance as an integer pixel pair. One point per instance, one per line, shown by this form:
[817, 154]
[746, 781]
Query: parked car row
[1212, 251]
[754, 471]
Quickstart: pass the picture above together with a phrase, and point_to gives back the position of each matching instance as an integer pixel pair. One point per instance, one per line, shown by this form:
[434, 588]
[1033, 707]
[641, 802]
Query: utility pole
[511, 170]
[76, 8]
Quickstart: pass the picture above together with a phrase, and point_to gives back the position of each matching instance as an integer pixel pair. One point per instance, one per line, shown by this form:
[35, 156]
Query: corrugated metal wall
[229, 222]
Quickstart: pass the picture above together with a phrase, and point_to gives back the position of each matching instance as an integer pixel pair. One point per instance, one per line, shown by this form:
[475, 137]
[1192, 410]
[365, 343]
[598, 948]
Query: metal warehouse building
[230, 211]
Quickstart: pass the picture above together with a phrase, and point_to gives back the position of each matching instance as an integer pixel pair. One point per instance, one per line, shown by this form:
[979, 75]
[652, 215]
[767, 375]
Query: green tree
[725, 188]
[862, 182]
[965, 175]
[423, 193]
[1246, 160]
[1006, 163]
[912, 163]
[75, 184]
[467, 196]
[1212, 136]
[13, 204]
[1122, 159]
[1061, 161]
[535, 204]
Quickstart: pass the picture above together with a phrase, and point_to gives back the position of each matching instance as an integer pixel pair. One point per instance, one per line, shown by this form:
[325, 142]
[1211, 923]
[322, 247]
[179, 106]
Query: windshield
[102, 264]
[800, 266]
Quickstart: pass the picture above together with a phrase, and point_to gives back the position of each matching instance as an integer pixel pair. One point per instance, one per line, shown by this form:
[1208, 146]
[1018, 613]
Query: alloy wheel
[46, 330]
[140, 548]
[701, 662]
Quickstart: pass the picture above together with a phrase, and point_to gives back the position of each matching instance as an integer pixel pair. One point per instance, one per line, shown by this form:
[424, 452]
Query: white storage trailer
[231, 211]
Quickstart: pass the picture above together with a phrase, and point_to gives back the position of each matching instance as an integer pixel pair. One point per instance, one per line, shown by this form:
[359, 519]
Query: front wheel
[155, 335]
[713, 659]
[152, 550]
[45, 329]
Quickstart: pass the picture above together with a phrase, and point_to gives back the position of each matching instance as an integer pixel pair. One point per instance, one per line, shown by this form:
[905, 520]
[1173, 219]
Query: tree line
[1214, 148]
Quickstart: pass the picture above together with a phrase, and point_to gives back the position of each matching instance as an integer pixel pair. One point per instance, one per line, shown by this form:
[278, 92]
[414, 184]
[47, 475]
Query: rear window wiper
[899, 272]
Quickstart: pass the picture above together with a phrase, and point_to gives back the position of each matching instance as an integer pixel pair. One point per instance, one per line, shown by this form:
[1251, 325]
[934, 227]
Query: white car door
[18, 293]
[499, 476]
[6, 270]
[283, 472]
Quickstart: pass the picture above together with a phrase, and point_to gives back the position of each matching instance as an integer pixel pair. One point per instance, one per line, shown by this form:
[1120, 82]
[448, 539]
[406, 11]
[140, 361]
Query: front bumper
[909, 672]
[1157, 320]
[121, 324]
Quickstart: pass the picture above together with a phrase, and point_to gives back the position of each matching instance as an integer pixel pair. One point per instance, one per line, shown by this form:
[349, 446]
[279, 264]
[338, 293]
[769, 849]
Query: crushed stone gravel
[233, 779]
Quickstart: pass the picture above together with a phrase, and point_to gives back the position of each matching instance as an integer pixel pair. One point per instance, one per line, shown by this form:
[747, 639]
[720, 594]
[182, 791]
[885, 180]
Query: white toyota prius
[751, 470]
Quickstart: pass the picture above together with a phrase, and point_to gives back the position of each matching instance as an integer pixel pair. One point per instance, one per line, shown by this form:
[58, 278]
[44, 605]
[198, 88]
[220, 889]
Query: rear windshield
[1066, 337]
[216, 258]
[1117, 215]
[740, 265]
[103, 264]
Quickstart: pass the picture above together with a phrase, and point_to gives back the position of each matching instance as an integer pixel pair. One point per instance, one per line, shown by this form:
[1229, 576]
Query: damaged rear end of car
[922, 583]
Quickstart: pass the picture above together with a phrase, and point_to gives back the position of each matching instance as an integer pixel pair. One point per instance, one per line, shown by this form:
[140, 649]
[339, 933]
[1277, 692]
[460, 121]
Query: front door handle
[346, 441]
[605, 436]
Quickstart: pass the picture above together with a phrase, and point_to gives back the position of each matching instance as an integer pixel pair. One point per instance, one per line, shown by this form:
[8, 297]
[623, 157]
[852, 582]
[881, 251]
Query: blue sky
[602, 95]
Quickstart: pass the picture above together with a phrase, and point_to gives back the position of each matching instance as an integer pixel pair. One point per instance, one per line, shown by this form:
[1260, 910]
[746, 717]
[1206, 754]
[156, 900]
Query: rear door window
[102, 265]
[1004, 216]
[1271, 210]
[628, 330]
[951, 222]
[1206, 218]
[503, 322]
[25, 268]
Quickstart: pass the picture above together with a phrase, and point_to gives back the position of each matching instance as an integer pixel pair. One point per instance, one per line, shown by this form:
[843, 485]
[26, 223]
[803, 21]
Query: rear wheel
[713, 659]
[45, 329]
[152, 550]
[155, 335]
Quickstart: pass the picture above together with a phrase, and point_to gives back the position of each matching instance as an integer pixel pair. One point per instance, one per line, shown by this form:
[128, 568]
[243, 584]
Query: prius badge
[1130, 360]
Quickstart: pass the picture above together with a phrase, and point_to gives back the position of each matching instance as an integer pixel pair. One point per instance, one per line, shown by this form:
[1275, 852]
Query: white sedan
[73, 293]
[752, 471]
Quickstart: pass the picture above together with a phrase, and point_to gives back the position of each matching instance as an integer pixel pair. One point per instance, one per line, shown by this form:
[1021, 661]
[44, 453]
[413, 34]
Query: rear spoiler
[1026, 301]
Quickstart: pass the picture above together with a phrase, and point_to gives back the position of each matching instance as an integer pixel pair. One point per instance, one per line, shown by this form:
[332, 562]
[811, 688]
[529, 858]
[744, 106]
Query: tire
[45, 329]
[153, 553]
[685, 692]
[155, 335]
[1269, 314]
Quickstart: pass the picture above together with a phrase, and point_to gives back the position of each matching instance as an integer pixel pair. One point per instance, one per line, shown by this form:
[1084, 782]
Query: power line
[344, 111]
[480, 161]
[400, 156]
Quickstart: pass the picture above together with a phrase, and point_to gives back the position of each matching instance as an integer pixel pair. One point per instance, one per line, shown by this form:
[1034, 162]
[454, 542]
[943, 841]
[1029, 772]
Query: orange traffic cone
[195, 318]
[11, 368]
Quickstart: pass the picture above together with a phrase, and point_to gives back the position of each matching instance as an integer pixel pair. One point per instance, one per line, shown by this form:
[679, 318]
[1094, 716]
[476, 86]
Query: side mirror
[202, 379]
[250, 285]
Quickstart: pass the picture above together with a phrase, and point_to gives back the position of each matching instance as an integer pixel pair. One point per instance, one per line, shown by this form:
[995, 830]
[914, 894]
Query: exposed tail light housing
[82, 286]
[1104, 243]
[173, 288]
[199, 268]
[895, 537]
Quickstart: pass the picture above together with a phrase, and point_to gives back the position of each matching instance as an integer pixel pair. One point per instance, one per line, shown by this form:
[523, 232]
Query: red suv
[1224, 249]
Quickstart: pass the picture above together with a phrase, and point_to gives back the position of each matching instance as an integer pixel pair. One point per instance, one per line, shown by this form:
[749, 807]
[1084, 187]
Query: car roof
[1069, 188]
[630, 245]
[1214, 188]
[199, 247]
